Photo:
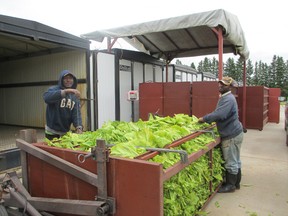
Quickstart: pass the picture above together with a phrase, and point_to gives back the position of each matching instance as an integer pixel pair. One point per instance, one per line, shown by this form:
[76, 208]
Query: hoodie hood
[64, 73]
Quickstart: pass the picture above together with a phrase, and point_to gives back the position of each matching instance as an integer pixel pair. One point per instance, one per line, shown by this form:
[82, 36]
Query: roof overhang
[20, 38]
[183, 36]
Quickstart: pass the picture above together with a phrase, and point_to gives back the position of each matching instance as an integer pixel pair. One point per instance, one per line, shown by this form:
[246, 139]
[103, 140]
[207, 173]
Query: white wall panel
[149, 77]
[184, 77]
[170, 73]
[125, 105]
[125, 85]
[158, 73]
[189, 77]
[106, 88]
[138, 78]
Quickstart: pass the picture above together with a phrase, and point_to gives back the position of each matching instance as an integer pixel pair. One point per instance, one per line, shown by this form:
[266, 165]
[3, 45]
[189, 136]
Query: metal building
[31, 57]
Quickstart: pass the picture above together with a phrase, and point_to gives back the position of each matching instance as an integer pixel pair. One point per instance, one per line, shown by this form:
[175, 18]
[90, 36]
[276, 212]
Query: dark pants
[51, 137]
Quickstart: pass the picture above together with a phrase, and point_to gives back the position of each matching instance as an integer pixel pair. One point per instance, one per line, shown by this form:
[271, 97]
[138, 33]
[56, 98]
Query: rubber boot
[230, 184]
[239, 175]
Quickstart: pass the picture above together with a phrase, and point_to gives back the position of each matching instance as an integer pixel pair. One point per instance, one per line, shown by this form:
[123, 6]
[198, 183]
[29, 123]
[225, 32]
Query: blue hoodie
[61, 111]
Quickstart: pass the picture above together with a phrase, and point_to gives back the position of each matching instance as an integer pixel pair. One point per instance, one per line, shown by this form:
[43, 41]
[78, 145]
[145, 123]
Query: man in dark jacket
[231, 132]
[63, 107]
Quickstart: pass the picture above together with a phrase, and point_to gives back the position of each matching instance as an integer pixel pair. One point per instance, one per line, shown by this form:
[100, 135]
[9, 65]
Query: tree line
[274, 75]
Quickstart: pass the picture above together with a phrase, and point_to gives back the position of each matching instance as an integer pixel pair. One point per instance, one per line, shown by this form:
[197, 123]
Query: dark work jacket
[226, 117]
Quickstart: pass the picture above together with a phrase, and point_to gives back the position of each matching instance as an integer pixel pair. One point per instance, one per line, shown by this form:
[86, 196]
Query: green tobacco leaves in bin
[184, 193]
[126, 150]
[155, 133]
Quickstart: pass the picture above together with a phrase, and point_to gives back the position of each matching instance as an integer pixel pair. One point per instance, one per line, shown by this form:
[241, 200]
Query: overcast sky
[263, 22]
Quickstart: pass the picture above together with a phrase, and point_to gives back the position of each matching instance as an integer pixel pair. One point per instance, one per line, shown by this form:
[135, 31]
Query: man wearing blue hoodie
[63, 107]
[231, 132]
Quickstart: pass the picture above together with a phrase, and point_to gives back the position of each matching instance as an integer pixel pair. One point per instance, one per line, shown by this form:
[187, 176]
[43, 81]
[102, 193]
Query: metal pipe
[183, 154]
[166, 72]
[103, 210]
[149, 155]
[244, 97]
[26, 205]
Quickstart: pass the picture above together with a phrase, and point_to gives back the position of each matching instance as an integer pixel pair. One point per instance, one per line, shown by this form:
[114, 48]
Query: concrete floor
[264, 185]
[9, 134]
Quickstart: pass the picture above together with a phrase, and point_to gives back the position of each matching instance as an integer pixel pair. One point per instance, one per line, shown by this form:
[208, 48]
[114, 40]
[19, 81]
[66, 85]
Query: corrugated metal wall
[21, 86]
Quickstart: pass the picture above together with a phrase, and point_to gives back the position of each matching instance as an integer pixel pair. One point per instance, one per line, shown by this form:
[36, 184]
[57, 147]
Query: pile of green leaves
[186, 192]
[127, 137]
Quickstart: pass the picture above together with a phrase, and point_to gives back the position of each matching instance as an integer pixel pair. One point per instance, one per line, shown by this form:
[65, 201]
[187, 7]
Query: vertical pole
[101, 157]
[89, 88]
[166, 71]
[132, 87]
[220, 53]
[30, 136]
[211, 168]
[95, 91]
[244, 96]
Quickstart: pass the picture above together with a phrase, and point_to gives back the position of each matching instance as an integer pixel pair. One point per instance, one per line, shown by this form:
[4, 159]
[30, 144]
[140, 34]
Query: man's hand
[72, 91]
[79, 130]
[201, 120]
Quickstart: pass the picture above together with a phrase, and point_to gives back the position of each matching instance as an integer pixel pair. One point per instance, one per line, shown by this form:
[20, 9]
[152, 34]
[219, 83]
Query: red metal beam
[219, 34]
[220, 53]
[110, 44]
[148, 155]
[171, 171]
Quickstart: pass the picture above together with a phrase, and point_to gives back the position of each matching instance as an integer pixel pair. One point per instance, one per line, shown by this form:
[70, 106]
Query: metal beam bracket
[206, 131]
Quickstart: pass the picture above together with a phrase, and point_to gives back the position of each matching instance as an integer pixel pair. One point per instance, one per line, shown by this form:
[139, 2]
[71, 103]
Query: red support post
[220, 53]
[219, 32]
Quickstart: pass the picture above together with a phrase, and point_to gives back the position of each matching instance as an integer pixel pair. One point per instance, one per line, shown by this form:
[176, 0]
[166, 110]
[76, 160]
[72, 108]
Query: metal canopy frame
[211, 32]
[169, 56]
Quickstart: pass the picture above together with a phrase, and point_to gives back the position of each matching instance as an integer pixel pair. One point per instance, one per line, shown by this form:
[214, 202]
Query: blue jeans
[231, 153]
